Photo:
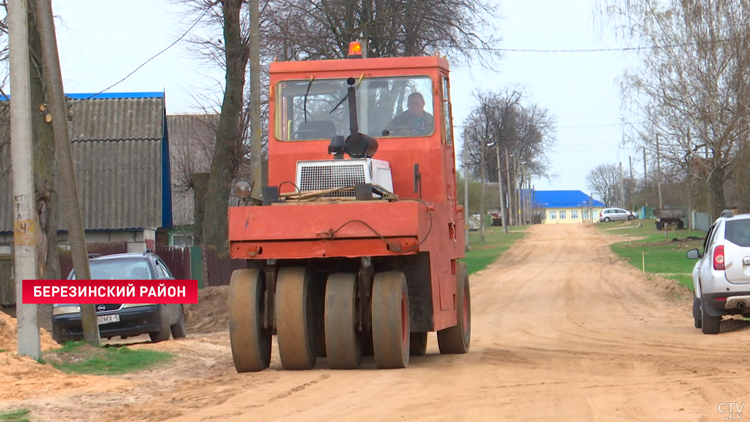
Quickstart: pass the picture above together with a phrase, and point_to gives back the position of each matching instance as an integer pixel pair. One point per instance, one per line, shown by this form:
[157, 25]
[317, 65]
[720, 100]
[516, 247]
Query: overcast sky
[101, 42]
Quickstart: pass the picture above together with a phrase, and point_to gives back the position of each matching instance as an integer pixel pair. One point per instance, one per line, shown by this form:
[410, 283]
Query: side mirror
[693, 254]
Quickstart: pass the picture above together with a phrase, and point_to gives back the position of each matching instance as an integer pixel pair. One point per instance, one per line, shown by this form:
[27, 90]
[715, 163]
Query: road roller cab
[353, 246]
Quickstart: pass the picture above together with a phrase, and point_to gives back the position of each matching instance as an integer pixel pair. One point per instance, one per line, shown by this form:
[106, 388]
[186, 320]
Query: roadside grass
[662, 254]
[82, 358]
[479, 256]
[15, 415]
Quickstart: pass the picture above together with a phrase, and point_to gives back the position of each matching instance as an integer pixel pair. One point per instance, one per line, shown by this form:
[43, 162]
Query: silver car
[612, 214]
[721, 277]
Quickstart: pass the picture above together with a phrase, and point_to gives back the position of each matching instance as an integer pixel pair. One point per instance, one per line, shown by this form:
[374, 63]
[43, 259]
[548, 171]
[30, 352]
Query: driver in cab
[412, 122]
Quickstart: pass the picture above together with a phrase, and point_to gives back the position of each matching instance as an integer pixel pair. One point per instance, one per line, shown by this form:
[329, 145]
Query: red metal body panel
[304, 230]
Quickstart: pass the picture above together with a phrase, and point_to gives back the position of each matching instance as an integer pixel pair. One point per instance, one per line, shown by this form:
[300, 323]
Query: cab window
[447, 123]
[317, 109]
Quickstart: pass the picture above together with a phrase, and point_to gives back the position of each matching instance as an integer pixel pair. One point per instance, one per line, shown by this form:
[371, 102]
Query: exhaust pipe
[741, 305]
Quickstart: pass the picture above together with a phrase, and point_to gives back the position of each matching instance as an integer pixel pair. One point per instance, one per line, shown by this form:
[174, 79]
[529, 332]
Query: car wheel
[697, 321]
[164, 328]
[178, 328]
[630, 217]
[709, 323]
[606, 219]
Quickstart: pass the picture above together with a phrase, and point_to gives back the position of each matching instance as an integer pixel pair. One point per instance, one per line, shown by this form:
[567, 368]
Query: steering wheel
[308, 134]
[398, 131]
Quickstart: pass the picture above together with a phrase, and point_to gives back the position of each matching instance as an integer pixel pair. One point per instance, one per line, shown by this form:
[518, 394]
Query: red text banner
[110, 291]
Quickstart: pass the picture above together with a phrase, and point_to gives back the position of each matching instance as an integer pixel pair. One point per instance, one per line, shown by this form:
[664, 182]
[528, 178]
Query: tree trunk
[715, 185]
[228, 150]
[44, 164]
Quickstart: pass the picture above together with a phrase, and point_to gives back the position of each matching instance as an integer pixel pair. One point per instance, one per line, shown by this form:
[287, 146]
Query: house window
[552, 215]
[574, 214]
[562, 215]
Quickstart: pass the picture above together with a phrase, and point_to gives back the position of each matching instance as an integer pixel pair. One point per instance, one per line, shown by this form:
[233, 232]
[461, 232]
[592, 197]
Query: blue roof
[564, 199]
[106, 95]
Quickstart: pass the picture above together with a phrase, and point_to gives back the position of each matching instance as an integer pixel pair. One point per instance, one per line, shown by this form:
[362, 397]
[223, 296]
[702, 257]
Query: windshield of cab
[386, 107]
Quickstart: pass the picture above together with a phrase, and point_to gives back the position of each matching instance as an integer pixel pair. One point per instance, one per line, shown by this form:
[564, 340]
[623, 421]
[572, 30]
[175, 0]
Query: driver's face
[415, 105]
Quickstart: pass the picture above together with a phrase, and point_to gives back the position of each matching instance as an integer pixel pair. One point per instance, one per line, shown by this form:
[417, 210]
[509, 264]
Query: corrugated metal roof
[117, 146]
[117, 119]
[191, 140]
[564, 199]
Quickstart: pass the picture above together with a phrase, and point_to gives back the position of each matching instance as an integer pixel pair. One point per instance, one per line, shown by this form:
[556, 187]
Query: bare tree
[604, 181]
[524, 131]
[230, 131]
[692, 86]
[322, 29]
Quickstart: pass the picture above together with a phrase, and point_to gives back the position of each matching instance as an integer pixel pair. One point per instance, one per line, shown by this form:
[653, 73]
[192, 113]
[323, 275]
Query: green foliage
[496, 242]
[662, 255]
[78, 357]
[15, 415]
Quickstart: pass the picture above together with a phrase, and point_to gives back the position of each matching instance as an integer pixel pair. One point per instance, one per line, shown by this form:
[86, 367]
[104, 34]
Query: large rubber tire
[680, 224]
[390, 320]
[178, 328]
[659, 225]
[697, 321]
[456, 339]
[710, 324]
[295, 327]
[164, 326]
[630, 217]
[343, 339]
[418, 344]
[251, 343]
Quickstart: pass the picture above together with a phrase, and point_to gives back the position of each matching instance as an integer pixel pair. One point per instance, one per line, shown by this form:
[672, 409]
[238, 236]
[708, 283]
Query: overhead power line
[580, 50]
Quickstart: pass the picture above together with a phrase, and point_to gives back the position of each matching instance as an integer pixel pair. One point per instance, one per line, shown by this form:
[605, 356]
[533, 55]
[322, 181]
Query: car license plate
[106, 319]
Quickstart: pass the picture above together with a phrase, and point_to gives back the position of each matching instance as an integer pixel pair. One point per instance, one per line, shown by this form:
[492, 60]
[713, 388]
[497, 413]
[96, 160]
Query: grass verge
[79, 357]
[657, 252]
[495, 243]
[15, 415]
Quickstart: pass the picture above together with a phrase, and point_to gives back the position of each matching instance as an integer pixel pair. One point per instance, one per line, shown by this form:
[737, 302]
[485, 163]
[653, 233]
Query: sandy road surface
[561, 331]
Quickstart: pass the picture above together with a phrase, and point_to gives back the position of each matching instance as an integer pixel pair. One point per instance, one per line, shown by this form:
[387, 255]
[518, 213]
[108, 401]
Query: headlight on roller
[243, 189]
[67, 309]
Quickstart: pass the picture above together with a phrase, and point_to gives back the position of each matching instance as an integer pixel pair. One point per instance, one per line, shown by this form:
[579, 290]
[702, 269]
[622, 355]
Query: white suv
[721, 277]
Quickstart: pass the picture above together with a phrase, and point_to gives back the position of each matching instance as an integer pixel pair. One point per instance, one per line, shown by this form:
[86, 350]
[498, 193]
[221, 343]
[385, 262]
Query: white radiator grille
[329, 177]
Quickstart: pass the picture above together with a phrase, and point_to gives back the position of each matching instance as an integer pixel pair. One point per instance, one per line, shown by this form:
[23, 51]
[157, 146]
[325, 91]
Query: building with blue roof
[567, 206]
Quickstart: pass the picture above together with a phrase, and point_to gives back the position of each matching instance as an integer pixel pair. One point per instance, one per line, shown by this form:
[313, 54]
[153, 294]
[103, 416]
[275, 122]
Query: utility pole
[658, 171]
[510, 191]
[622, 192]
[481, 200]
[645, 173]
[467, 215]
[630, 188]
[24, 223]
[64, 156]
[256, 150]
[500, 189]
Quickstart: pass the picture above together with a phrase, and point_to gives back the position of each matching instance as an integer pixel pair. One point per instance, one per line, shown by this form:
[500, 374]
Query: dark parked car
[124, 320]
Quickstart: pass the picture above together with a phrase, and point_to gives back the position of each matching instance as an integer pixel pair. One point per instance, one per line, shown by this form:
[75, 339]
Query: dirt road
[561, 331]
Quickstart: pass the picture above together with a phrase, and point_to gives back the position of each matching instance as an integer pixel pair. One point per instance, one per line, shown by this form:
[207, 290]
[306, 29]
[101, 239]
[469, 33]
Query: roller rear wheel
[295, 328]
[390, 320]
[456, 339]
[251, 343]
[343, 340]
